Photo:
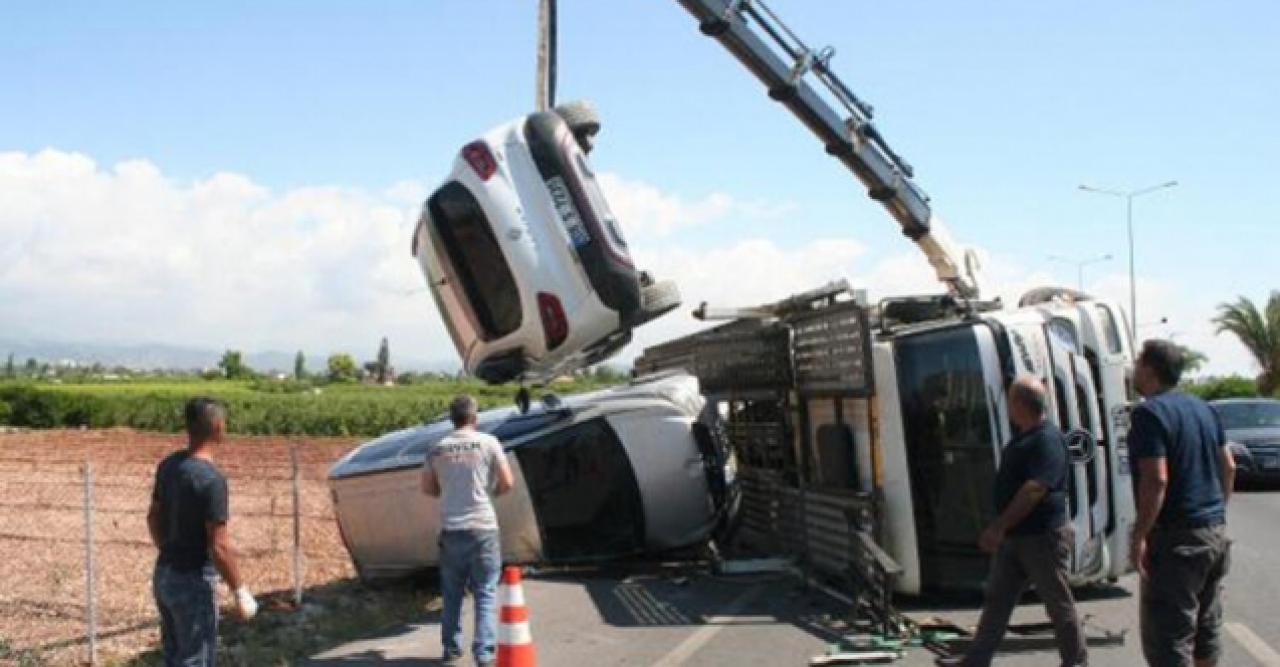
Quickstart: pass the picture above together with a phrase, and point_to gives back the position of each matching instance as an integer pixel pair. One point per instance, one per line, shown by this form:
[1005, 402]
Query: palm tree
[1259, 332]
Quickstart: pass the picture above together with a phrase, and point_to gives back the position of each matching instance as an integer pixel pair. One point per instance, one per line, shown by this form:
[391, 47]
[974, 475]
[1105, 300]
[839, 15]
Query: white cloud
[646, 211]
[126, 254]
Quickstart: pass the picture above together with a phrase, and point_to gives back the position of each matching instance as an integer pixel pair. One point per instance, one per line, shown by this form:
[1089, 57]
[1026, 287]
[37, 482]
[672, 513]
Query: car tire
[583, 121]
[657, 299]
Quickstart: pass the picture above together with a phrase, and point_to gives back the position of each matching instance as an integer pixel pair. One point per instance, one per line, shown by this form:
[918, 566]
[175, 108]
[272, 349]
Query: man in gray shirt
[465, 470]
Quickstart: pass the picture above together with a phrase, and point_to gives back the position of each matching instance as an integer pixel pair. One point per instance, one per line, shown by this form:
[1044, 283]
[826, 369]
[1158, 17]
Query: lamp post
[1080, 264]
[1129, 196]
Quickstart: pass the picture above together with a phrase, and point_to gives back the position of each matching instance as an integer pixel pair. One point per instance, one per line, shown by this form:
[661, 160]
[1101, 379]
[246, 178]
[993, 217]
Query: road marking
[646, 609]
[1259, 649]
[684, 650]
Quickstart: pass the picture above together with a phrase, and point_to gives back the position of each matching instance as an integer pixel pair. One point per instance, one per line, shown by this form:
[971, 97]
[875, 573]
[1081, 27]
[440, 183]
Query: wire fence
[76, 557]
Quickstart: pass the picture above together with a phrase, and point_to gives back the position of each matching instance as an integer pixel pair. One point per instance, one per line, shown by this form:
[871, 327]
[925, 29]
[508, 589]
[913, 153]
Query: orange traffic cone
[515, 642]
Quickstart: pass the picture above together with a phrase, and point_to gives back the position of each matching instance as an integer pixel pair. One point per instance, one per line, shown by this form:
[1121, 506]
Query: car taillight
[477, 155]
[554, 325]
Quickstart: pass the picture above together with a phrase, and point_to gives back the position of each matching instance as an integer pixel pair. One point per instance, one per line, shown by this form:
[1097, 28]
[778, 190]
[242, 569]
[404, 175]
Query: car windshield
[1253, 414]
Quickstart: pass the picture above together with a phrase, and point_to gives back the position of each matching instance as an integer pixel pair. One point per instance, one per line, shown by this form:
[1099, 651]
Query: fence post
[91, 611]
[297, 528]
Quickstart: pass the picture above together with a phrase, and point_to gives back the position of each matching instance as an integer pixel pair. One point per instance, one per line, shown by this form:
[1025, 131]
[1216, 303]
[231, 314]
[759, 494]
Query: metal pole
[297, 530]
[1133, 291]
[91, 611]
[545, 83]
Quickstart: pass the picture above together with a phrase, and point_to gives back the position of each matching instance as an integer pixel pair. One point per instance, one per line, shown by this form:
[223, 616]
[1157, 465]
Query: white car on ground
[635, 469]
[526, 262]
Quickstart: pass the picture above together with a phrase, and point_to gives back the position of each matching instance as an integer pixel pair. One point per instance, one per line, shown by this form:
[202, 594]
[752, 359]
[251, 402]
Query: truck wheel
[658, 298]
[583, 121]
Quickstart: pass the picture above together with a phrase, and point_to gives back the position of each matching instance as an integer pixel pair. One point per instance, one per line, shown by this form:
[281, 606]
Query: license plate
[563, 201]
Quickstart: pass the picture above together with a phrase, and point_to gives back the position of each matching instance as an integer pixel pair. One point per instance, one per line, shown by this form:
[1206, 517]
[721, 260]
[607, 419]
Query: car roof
[407, 447]
[1242, 400]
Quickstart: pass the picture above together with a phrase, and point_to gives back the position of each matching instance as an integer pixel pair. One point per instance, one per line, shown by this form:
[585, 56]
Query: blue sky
[1003, 108]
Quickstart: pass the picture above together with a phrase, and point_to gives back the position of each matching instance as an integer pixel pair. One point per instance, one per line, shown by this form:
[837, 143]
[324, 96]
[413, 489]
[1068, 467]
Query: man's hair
[201, 413]
[1165, 359]
[462, 410]
[1029, 391]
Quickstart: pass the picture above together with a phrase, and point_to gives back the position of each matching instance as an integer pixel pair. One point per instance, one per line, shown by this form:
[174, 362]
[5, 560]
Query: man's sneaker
[949, 661]
[449, 658]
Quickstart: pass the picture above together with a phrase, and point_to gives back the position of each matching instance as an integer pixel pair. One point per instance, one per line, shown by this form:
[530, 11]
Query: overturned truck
[867, 437]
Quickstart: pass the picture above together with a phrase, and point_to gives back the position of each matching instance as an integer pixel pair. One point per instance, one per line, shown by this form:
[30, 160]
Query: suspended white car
[524, 258]
[633, 469]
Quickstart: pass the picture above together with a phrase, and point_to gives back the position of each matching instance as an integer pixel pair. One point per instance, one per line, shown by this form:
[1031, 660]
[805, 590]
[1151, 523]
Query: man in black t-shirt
[1031, 538]
[1183, 474]
[188, 524]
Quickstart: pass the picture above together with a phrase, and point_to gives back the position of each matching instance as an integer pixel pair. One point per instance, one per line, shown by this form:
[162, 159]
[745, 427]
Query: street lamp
[1129, 196]
[1080, 264]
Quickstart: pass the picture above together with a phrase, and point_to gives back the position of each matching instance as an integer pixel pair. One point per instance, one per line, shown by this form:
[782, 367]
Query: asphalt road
[665, 617]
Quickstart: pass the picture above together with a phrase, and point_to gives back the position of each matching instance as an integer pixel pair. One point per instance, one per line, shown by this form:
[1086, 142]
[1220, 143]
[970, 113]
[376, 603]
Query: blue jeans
[470, 560]
[188, 615]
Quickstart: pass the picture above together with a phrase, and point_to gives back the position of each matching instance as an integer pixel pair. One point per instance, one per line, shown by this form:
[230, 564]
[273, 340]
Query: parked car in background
[638, 468]
[1252, 426]
[525, 260]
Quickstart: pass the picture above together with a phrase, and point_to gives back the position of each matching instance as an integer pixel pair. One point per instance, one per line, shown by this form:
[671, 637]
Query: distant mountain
[175, 357]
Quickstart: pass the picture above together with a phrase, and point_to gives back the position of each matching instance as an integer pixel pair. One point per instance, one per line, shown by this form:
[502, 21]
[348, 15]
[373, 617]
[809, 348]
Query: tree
[1259, 331]
[299, 366]
[31, 368]
[9, 370]
[384, 361]
[342, 368]
[233, 366]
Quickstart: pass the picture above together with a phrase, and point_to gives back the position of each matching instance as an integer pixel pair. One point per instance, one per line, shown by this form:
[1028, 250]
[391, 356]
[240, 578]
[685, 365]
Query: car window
[524, 425]
[468, 238]
[1260, 414]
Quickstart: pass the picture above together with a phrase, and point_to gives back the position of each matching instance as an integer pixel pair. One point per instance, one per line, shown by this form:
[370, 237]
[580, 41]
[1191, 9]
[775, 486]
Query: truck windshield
[947, 421]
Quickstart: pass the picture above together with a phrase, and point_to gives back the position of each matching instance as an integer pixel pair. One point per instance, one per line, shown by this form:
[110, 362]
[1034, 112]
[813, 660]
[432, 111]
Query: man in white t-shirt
[465, 470]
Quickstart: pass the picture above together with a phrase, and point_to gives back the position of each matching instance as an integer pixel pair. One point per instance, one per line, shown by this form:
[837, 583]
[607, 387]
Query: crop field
[258, 407]
[42, 517]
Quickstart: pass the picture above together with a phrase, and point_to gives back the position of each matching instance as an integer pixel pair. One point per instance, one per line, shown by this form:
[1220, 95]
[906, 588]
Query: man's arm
[223, 553]
[153, 523]
[1227, 464]
[505, 481]
[430, 483]
[1153, 481]
[1028, 496]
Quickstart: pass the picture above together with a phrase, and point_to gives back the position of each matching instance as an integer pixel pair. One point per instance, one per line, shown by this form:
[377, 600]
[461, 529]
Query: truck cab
[941, 388]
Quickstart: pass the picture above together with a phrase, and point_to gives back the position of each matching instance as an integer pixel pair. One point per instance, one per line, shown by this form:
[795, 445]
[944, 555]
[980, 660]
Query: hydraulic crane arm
[764, 45]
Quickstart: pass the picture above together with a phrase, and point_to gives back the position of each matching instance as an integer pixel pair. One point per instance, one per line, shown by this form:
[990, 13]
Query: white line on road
[684, 650]
[1259, 649]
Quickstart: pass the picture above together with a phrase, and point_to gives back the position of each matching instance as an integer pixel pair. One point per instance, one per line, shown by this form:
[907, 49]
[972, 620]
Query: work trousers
[1043, 560]
[1180, 611]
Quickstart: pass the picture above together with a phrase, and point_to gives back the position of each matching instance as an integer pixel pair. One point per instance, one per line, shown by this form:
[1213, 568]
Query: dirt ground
[42, 530]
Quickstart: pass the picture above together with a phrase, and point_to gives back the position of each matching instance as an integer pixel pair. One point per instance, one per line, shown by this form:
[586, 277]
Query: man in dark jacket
[188, 524]
[1183, 474]
[1031, 538]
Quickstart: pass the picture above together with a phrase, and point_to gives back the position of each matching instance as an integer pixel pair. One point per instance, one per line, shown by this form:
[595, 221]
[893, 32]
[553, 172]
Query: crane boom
[766, 47]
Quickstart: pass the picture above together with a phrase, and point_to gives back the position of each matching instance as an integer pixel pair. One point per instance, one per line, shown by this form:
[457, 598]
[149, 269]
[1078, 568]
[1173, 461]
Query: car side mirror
[1082, 446]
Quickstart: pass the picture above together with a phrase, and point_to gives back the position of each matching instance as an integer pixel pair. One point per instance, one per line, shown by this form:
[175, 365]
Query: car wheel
[657, 299]
[583, 121]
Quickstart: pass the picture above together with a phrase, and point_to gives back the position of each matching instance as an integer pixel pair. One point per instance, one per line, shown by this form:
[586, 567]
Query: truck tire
[583, 121]
[657, 299]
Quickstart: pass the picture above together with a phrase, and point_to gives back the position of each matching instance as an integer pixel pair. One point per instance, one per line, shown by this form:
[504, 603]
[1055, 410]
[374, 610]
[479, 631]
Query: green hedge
[294, 410]
[1231, 386]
